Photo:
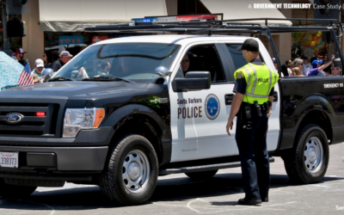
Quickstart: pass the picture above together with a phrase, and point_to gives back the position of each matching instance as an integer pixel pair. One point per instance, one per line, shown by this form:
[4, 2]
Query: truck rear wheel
[201, 175]
[307, 162]
[9, 190]
[132, 172]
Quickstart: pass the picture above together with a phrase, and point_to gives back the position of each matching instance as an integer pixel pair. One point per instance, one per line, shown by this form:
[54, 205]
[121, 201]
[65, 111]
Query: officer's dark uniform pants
[254, 156]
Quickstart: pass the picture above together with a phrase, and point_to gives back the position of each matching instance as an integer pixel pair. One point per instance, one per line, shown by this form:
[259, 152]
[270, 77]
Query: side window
[237, 57]
[204, 58]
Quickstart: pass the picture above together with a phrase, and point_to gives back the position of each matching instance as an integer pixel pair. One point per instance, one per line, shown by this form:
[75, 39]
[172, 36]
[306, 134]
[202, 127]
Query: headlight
[77, 119]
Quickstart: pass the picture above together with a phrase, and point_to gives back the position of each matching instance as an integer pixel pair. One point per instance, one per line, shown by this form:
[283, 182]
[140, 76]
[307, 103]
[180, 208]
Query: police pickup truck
[126, 110]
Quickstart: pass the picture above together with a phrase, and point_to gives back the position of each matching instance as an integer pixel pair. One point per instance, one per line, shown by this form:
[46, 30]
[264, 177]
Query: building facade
[57, 25]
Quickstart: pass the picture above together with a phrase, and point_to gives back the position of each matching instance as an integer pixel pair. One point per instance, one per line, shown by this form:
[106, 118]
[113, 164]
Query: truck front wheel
[132, 172]
[307, 162]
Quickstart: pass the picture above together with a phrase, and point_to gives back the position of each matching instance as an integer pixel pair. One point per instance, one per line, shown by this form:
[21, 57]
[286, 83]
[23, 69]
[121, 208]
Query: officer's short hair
[297, 62]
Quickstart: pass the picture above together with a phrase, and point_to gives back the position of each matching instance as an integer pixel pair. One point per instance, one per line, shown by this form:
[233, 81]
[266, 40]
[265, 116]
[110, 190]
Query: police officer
[252, 104]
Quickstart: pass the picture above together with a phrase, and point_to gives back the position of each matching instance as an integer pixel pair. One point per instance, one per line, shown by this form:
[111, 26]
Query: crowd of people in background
[52, 62]
[302, 66]
[46, 66]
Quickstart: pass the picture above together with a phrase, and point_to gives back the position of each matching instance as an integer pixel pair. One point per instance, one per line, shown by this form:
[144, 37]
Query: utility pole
[6, 46]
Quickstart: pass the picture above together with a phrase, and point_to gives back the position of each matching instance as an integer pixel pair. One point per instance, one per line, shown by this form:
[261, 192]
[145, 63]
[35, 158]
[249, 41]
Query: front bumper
[85, 153]
[50, 159]
[85, 138]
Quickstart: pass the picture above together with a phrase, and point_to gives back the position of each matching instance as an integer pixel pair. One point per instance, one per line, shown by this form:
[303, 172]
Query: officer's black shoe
[249, 202]
[266, 199]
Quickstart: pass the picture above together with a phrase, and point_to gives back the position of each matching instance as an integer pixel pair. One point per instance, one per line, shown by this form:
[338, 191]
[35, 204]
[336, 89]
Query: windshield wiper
[106, 78]
[61, 79]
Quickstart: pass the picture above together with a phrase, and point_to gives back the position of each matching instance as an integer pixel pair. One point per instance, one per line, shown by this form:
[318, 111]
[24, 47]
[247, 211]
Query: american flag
[25, 77]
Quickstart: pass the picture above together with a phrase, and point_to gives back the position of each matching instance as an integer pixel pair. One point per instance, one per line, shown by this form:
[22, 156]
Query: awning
[74, 15]
[245, 9]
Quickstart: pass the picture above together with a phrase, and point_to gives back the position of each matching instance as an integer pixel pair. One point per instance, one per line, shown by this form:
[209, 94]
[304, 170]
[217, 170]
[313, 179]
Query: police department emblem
[212, 104]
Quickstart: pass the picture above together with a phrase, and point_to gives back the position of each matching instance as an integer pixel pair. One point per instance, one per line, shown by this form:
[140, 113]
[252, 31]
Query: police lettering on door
[189, 112]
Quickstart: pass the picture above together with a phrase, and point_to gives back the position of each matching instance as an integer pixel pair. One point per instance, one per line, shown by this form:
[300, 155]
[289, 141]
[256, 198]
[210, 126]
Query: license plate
[9, 159]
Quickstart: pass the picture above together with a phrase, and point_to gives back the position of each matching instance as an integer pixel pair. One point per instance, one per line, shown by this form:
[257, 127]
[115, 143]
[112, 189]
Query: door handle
[275, 96]
[229, 99]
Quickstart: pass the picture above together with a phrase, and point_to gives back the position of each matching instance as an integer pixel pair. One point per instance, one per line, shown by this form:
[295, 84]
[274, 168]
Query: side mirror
[162, 71]
[194, 80]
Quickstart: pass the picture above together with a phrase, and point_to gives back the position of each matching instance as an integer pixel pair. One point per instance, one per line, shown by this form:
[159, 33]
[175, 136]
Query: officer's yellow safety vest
[260, 80]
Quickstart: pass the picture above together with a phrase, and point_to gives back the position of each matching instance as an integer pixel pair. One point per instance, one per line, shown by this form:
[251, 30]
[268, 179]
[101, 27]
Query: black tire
[116, 177]
[201, 175]
[9, 190]
[295, 160]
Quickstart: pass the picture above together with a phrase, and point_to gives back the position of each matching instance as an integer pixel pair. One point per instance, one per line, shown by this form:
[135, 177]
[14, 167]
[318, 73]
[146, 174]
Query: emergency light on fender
[40, 114]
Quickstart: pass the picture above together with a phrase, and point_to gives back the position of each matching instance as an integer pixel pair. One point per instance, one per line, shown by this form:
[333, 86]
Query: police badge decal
[212, 106]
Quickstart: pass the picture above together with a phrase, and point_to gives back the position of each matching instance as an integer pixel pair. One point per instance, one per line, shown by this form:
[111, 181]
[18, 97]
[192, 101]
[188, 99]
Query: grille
[30, 125]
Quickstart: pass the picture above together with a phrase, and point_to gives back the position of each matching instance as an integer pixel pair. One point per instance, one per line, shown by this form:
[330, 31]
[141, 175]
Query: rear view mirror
[194, 80]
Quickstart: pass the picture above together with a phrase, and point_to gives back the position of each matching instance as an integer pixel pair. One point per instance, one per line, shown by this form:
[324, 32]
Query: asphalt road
[177, 194]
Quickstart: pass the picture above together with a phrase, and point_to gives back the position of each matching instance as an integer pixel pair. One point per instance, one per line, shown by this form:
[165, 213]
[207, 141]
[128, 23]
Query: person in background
[297, 72]
[107, 67]
[298, 62]
[20, 56]
[275, 63]
[185, 63]
[14, 56]
[54, 56]
[65, 56]
[317, 67]
[38, 70]
[289, 67]
[47, 60]
[321, 57]
[313, 58]
[104, 69]
[276, 67]
[36, 79]
[284, 72]
[327, 71]
[306, 65]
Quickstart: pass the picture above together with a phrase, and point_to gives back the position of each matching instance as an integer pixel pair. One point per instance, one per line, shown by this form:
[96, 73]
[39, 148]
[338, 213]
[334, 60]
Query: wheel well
[143, 126]
[318, 118]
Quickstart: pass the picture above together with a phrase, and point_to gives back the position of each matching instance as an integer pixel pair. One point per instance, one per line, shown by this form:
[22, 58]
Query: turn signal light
[100, 113]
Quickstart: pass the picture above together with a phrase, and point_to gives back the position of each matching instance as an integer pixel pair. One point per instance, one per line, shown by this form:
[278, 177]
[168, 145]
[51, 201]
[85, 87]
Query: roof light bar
[167, 19]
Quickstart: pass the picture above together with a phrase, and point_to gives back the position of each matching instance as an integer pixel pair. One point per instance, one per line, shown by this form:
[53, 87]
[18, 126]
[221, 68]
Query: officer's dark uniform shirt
[241, 85]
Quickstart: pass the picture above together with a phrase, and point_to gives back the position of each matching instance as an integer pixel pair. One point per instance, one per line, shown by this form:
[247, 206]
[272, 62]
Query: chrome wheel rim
[313, 155]
[136, 171]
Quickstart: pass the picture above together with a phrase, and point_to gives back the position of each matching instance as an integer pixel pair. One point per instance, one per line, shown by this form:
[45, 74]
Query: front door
[198, 118]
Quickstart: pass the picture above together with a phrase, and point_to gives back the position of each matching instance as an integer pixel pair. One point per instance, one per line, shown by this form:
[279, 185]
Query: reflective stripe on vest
[260, 92]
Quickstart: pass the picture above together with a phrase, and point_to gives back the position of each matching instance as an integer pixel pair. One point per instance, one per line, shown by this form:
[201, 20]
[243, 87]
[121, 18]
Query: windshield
[129, 61]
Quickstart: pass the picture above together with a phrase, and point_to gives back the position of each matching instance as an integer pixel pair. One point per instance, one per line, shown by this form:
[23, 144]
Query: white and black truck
[145, 118]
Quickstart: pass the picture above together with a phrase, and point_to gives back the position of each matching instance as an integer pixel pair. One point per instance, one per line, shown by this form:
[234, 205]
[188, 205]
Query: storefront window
[312, 44]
